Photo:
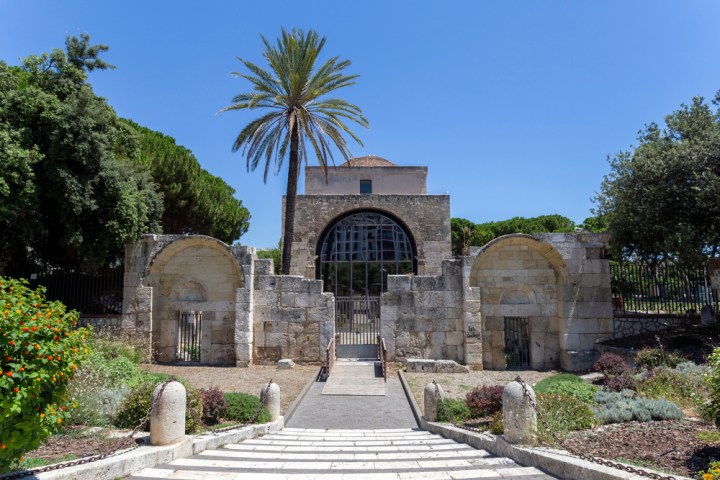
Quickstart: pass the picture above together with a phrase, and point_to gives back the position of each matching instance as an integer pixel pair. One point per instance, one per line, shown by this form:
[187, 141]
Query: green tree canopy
[299, 113]
[661, 198]
[465, 233]
[77, 182]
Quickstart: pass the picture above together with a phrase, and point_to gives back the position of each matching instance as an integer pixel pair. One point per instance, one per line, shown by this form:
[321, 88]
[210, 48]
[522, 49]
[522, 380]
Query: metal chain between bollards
[589, 458]
[93, 458]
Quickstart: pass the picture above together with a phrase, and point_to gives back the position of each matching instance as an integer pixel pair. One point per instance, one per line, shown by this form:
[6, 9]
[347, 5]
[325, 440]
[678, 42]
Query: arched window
[358, 251]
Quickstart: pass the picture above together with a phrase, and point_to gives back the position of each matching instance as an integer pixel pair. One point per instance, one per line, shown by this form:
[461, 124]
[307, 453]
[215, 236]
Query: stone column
[432, 397]
[519, 416]
[271, 398]
[167, 419]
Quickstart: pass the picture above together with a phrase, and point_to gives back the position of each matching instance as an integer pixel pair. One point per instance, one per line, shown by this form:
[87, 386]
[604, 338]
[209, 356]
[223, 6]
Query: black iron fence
[97, 292]
[660, 289]
[357, 320]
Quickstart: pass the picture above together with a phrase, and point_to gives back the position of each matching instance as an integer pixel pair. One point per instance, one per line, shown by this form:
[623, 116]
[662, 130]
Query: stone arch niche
[520, 279]
[194, 274]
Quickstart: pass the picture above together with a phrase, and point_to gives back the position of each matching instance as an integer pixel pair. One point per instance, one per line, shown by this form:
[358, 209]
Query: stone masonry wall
[421, 316]
[426, 216]
[292, 318]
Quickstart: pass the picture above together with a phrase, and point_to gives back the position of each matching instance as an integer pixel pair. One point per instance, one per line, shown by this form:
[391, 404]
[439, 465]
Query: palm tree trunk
[289, 221]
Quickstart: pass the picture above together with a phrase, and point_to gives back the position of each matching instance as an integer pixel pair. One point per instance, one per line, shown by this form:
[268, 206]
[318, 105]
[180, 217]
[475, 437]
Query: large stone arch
[519, 276]
[194, 273]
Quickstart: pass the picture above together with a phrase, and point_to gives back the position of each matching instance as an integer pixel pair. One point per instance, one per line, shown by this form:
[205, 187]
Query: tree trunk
[289, 220]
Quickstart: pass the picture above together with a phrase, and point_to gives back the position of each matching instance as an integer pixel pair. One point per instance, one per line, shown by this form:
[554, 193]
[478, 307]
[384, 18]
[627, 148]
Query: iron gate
[357, 320]
[517, 342]
[188, 341]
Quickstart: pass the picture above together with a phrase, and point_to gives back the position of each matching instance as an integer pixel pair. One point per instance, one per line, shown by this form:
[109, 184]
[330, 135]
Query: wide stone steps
[296, 453]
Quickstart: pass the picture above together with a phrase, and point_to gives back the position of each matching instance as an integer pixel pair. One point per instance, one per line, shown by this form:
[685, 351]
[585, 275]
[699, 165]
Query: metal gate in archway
[356, 253]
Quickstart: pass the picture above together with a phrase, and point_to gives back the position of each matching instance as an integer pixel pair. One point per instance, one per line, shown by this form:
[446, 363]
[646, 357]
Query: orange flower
[42, 415]
[63, 408]
[22, 369]
[59, 420]
[37, 346]
[50, 357]
[9, 374]
[16, 390]
[33, 328]
[12, 342]
[24, 329]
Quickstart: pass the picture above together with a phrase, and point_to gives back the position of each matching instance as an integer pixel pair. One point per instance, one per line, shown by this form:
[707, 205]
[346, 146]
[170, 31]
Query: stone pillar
[167, 419]
[432, 397]
[271, 398]
[519, 417]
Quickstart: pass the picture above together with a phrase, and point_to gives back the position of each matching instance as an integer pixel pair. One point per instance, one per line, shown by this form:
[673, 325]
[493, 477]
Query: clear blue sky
[512, 105]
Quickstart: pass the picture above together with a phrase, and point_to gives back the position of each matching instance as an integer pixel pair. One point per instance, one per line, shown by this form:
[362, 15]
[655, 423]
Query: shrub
[137, 404]
[456, 409]
[484, 400]
[242, 408]
[611, 364]
[657, 357]
[567, 385]
[41, 350]
[712, 381]
[712, 472]
[563, 413]
[619, 407]
[691, 369]
[214, 405]
[496, 424]
[620, 383]
[683, 389]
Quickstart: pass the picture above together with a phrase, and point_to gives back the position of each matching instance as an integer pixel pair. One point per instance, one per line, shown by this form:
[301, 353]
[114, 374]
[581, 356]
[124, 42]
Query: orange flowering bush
[40, 349]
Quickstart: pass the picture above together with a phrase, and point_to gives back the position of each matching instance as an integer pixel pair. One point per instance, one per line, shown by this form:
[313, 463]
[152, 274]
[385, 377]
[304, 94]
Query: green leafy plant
[567, 384]
[41, 351]
[711, 473]
[484, 400]
[456, 409]
[657, 357]
[496, 424]
[711, 409]
[563, 413]
[242, 408]
[137, 404]
[685, 389]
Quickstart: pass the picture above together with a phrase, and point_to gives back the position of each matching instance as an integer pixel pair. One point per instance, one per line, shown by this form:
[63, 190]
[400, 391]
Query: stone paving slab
[357, 378]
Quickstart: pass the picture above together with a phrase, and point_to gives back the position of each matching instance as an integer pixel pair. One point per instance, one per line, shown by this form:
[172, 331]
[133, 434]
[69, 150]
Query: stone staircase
[295, 453]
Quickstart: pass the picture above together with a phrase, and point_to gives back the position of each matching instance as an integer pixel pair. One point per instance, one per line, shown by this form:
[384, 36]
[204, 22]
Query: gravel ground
[455, 385]
[248, 380]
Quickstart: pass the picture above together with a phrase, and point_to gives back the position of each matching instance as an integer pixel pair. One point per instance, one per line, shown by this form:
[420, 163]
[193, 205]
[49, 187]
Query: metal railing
[382, 355]
[357, 319]
[92, 292]
[329, 357]
[188, 337]
[664, 289]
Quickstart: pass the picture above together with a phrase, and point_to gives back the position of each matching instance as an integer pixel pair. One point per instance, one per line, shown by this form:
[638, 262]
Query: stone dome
[368, 161]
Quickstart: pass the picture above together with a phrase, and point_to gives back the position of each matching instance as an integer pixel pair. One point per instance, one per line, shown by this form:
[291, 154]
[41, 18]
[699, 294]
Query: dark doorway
[517, 342]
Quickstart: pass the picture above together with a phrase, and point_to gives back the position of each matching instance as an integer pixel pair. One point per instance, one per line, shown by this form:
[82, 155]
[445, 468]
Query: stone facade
[426, 217]
[384, 180]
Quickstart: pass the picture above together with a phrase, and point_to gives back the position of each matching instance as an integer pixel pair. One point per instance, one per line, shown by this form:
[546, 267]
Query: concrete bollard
[272, 403]
[432, 399]
[519, 417]
[167, 419]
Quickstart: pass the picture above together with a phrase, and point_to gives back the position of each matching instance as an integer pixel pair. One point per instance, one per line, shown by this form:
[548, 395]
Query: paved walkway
[391, 410]
[355, 377]
[387, 454]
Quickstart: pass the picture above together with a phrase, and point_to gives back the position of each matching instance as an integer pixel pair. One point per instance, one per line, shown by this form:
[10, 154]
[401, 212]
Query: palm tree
[299, 114]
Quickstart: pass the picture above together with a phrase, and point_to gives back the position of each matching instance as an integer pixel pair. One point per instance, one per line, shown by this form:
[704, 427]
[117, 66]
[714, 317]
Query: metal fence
[357, 320]
[98, 292]
[660, 289]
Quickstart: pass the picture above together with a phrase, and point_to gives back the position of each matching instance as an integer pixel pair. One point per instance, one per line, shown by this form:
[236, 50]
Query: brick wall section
[422, 317]
[426, 216]
[292, 318]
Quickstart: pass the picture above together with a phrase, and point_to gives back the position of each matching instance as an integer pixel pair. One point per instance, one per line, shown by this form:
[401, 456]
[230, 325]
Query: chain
[589, 458]
[94, 458]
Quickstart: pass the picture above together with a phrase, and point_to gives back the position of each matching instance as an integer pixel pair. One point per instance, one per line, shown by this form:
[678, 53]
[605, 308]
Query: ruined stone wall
[168, 274]
[422, 317]
[292, 318]
[559, 282]
[427, 218]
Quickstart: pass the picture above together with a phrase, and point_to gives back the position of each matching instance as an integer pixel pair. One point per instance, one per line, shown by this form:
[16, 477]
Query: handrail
[382, 355]
[330, 356]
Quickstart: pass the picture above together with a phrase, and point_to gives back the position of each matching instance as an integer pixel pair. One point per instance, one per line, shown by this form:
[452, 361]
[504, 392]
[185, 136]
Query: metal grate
[357, 321]
[188, 341]
[517, 344]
